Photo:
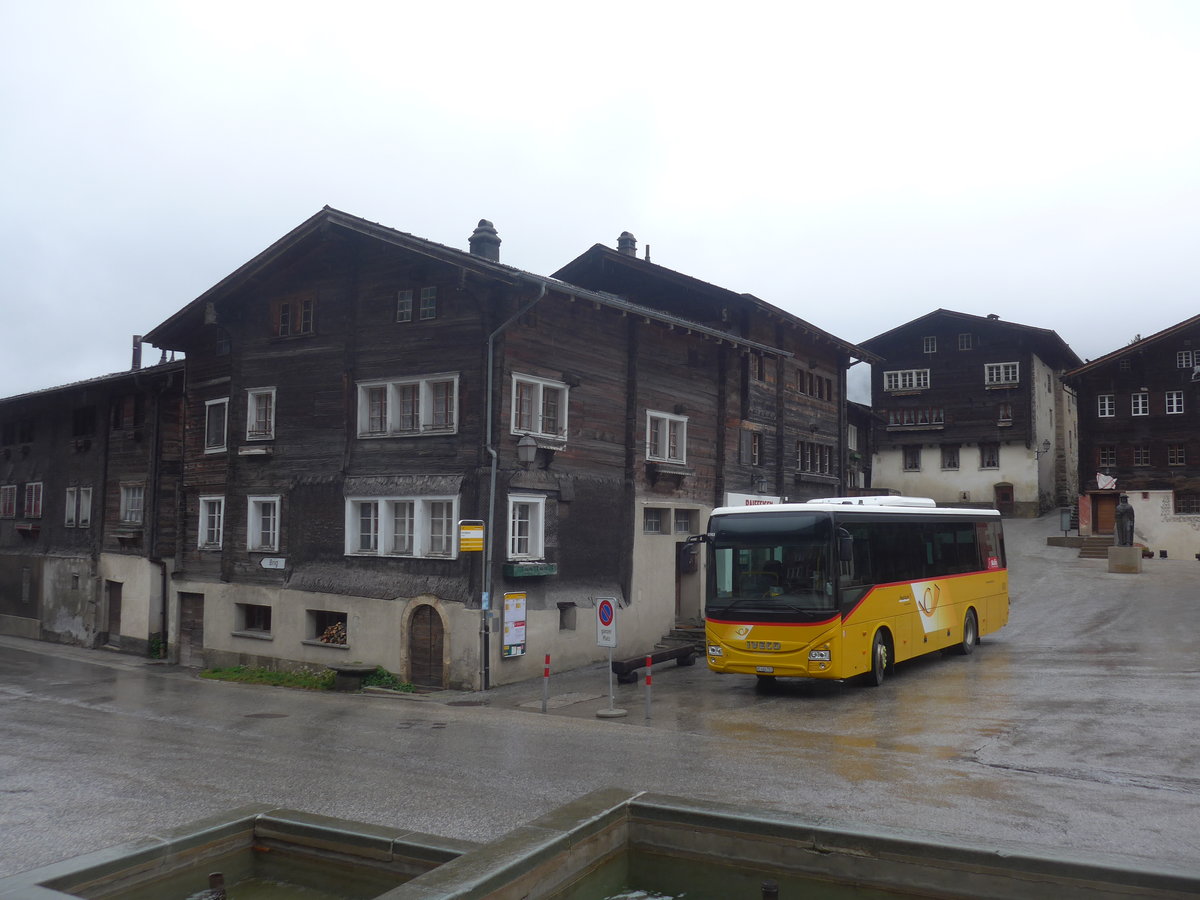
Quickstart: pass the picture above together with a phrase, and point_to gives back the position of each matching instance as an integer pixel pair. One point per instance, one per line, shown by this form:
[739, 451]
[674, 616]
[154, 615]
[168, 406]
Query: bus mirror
[845, 546]
[698, 539]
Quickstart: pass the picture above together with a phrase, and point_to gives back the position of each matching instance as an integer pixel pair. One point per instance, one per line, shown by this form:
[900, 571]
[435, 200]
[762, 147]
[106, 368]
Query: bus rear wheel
[970, 634]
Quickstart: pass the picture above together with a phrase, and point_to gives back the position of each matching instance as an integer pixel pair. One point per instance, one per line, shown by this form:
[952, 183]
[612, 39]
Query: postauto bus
[845, 588]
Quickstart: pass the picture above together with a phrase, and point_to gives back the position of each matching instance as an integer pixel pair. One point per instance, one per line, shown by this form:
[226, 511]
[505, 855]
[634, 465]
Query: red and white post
[649, 682]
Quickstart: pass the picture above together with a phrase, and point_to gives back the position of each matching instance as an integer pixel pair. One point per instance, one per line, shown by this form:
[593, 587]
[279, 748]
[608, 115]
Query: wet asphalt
[1075, 729]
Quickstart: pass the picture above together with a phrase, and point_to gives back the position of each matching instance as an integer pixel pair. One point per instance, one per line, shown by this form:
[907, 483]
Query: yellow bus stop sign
[470, 536]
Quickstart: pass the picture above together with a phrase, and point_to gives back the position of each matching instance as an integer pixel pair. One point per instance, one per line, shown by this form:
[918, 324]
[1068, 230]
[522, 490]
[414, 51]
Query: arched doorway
[426, 640]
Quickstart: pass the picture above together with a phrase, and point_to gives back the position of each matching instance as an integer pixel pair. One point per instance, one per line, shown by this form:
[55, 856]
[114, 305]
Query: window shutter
[745, 448]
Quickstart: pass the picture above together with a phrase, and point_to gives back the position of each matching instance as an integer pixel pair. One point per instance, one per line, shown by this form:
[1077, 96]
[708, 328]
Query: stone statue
[1124, 522]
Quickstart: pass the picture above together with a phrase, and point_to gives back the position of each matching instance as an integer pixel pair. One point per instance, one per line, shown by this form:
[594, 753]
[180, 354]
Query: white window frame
[929, 344]
[253, 431]
[1139, 403]
[428, 304]
[1185, 359]
[210, 444]
[1106, 406]
[906, 380]
[33, 500]
[263, 512]
[652, 520]
[1002, 373]
[1176, 455]
[84, 519]
[404, 306]
[8, 501]
[394, 400]
[427, 534]
[127, 507]
[526, 526]
[670, 428]
[964, 341]
[211, 522]
[911, 453]
[78, 507]
[541, 389]
[1174, 403]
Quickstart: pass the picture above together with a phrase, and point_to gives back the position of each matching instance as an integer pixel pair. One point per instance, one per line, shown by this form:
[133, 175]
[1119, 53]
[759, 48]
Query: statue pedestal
[1125, 560]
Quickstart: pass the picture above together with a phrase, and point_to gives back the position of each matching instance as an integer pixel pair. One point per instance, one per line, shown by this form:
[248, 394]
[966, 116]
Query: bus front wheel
[880, 655]
[970, 634]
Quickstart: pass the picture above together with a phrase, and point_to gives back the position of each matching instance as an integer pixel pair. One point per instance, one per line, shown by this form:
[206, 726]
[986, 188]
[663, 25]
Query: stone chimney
[627, 244]
[485, 241]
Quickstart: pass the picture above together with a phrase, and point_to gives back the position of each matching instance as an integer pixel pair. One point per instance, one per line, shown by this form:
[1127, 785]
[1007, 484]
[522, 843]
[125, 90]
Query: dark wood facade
[68, 456]
[1138, 421]
[782, 413]
[964, 406]
[638, 420]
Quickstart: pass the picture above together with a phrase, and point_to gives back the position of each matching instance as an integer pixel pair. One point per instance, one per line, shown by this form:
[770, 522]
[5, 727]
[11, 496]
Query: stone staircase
[685, 633]
[1096, 546]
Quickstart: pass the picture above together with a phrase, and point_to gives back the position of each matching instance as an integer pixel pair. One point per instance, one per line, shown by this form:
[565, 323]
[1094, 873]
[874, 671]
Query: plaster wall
[1158, 527]
[141, 596]
[377, 632]
[69, 601]
[948, 486]
[1045, 414]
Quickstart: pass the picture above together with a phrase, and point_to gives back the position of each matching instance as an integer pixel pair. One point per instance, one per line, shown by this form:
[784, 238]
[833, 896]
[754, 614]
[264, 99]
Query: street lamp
[1037, 454]
[526, 450]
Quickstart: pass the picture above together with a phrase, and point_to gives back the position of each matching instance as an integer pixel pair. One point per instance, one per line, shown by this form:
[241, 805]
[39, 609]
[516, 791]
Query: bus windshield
[772, 567]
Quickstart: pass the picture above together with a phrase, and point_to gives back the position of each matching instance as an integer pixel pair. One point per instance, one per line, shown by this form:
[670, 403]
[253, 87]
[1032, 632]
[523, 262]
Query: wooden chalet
[784, 415]
[88, 475]
[971, 410]
[360, 402]
[1138, 436]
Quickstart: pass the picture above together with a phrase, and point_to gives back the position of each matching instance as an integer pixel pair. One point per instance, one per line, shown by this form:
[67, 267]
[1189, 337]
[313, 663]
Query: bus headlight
[818, 655]
[715, 650]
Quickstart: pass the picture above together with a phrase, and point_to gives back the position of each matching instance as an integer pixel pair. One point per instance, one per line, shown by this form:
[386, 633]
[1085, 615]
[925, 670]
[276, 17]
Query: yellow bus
[845, 588]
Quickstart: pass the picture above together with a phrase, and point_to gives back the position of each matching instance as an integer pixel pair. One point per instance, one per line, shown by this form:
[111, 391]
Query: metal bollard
[770, 890]
[546, 683]
[649, 681]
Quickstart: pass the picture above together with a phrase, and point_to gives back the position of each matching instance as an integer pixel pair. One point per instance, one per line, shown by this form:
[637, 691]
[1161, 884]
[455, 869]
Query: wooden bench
[626, 669]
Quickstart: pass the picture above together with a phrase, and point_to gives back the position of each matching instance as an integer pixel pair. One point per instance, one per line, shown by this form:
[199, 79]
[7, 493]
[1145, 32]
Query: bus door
[872, 592]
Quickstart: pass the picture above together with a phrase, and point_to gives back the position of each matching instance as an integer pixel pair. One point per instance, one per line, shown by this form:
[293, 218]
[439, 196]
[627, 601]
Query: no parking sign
[606, 622]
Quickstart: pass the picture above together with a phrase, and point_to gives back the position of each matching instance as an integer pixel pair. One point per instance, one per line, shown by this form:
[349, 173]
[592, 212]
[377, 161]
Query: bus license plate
[764, 669]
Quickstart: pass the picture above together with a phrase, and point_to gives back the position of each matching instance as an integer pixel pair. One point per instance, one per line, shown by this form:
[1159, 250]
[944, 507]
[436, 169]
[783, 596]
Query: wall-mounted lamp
[760, 484]
[526, 450]
[1037, 454]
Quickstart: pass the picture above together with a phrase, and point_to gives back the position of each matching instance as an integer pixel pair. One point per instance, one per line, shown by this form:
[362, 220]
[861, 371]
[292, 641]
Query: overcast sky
[859, 164]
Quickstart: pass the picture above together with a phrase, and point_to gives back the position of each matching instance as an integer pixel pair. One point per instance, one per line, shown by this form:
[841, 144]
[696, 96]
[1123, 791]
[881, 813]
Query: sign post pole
[606, 636]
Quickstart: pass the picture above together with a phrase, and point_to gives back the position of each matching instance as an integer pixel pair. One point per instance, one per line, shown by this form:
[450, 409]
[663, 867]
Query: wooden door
[1004, 499]
[191, 630]
[1104, 513]
[426, 637]
[112, 591]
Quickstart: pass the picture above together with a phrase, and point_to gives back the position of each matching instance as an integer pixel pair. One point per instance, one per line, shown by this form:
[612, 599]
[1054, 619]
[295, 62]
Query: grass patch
[382, 678]
[320, 680]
